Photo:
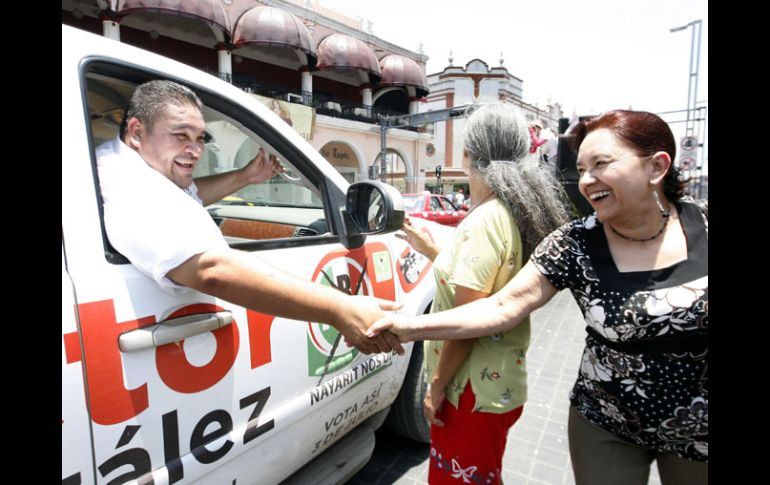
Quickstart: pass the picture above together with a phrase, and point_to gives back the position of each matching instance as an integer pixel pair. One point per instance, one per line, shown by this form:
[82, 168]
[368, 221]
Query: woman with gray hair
[484, 380]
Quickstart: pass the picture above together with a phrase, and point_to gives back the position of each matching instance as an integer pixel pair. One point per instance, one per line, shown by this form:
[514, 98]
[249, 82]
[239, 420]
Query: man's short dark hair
[150, 99]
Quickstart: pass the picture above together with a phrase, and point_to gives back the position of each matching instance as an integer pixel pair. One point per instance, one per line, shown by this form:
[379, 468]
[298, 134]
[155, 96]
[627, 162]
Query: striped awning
[343, 52]
[270, 26]
[210, 11]
[401, 71]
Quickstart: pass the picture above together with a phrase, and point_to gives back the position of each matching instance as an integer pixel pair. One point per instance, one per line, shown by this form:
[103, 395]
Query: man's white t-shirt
[550, 147]
[149, 219]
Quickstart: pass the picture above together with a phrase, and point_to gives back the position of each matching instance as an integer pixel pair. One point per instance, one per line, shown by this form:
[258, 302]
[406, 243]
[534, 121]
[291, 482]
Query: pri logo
[362, 271]
[413, 266]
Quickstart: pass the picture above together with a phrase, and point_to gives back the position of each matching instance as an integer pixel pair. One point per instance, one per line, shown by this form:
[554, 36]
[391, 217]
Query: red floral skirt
[469, 447]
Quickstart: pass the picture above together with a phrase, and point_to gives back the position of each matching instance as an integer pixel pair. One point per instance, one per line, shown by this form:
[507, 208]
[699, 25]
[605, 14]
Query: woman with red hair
[638, 269]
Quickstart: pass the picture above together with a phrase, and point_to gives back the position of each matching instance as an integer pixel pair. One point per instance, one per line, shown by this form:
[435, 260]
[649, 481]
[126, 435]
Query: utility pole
[692, 87]
[692, 146]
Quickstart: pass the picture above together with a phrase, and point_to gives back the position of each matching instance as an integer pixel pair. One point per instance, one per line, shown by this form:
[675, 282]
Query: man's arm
[248, 281]
[213, 188]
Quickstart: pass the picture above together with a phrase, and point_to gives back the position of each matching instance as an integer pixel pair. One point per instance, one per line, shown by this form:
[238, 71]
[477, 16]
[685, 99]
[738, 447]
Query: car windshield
[413, 202]
[449, 204]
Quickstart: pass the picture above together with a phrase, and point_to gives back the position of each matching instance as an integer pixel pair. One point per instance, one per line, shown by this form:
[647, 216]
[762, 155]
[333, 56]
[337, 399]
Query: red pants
[469, 447]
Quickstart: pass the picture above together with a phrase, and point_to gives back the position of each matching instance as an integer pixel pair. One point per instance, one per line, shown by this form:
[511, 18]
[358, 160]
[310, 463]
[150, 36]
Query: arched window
[344, 159]
[395, 169]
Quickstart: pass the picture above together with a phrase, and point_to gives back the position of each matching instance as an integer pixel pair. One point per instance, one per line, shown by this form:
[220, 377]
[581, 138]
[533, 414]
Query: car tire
[406, 417]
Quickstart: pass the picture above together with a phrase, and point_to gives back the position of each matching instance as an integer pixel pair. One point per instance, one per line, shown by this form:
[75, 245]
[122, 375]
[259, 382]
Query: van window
[286, 206]
[288, 210]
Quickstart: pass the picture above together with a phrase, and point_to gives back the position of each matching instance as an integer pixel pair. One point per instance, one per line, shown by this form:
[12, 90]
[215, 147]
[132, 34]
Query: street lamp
[690, 142]
[692, 88]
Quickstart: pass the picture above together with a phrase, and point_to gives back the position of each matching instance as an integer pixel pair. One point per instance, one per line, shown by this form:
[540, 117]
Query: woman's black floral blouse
[644, 373]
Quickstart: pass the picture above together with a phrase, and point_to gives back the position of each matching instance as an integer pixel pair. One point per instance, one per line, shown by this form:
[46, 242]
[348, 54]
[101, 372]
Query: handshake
[367, 327]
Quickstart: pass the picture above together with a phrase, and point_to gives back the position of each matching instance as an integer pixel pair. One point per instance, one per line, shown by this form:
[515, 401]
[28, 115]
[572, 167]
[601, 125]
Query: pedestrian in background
[459, 198]
[638, 270]
[548, 149]
[478, 386]
[535, 127]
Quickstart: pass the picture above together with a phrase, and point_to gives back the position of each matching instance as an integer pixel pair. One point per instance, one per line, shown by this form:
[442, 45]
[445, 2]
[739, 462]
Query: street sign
[689, 143]
[687, 163]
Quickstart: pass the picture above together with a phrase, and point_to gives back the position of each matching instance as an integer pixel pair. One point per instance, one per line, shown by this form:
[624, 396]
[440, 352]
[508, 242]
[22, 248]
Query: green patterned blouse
[485, 255]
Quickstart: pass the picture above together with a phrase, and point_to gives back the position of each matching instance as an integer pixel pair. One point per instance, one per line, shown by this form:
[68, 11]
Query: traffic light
[373, 169]
[438, 171]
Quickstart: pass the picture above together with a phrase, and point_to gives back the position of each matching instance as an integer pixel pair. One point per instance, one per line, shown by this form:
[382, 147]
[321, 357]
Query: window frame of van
[330, 195]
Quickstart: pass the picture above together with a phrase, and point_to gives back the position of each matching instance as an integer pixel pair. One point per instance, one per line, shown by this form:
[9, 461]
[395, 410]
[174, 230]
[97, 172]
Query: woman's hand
[418, 239]
[434, 400]
[395, 324]
[360, 312]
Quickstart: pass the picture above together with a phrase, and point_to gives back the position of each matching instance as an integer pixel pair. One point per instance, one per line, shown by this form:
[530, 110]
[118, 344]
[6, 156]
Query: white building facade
[476, 82]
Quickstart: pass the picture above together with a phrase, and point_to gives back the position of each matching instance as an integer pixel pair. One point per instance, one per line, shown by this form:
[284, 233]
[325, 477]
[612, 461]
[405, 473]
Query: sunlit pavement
[537, 452]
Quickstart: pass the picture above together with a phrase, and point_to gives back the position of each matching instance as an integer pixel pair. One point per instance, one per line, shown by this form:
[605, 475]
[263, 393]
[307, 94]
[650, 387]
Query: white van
[158, 389]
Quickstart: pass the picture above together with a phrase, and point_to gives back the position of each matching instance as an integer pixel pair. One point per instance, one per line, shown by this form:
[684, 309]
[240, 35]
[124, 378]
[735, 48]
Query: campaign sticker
[383, 271]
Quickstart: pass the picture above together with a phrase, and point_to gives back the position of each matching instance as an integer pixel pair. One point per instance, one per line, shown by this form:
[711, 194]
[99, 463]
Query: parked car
[187, 389]
[433, 207]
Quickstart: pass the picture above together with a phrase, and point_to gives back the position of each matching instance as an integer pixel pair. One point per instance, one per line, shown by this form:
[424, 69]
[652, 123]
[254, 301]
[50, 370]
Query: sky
[590, 56]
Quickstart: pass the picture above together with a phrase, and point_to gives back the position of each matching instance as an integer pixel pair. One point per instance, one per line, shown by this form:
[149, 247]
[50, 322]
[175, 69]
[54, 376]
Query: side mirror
[374, 208]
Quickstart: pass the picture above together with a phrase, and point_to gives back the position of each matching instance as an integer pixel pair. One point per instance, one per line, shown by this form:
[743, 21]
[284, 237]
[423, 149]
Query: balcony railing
[323, 103]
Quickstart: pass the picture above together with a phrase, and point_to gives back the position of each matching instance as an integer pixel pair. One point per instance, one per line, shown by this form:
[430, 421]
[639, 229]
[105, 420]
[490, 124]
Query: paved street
[537, 452]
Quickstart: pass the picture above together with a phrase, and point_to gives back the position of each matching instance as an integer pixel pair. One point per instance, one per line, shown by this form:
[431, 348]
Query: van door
[77, 465]
[178, 411]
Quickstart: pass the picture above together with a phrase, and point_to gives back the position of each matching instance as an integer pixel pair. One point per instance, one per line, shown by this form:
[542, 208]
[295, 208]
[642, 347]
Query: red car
[434, 207]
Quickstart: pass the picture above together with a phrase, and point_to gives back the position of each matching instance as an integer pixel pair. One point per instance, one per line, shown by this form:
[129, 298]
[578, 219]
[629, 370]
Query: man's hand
[419, 240]
[434, 399]
[262, 168]
[360, 313]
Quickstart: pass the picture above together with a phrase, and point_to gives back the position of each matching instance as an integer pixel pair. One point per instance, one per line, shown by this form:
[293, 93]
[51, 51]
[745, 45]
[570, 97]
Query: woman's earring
[660, 205]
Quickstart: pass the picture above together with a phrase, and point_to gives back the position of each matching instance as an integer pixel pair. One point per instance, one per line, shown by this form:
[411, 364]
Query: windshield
[413, 202]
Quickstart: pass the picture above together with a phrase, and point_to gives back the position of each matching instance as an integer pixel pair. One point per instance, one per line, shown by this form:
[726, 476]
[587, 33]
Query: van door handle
[173, 330]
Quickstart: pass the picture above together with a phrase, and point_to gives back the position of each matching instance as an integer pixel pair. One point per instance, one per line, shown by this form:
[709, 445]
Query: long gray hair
[497, 141]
